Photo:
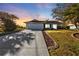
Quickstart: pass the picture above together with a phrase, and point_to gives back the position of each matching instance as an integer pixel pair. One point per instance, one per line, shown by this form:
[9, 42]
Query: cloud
[21, 13]
[43, 10]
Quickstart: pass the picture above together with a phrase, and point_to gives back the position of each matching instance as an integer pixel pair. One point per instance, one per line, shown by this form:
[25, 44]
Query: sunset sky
[29, 11]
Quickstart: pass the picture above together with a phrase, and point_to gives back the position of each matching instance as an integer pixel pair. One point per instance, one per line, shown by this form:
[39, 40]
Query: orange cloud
[21, 21]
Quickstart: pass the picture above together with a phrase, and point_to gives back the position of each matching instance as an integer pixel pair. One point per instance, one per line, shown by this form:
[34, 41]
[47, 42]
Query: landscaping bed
[76, 35]
[68, 46]
[51, 44]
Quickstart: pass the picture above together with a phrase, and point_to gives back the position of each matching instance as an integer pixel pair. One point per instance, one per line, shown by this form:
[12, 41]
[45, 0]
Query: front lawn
[68, 45]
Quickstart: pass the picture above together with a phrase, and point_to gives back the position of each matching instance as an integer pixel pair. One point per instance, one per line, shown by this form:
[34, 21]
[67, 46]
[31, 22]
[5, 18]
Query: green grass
[67, 44]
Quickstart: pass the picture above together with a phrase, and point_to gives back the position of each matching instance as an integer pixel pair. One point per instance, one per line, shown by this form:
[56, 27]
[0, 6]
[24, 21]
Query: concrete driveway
[24, 43]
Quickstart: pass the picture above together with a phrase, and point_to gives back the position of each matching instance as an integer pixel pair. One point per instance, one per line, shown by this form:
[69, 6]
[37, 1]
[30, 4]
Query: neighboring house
[72, 26]
[42, 25]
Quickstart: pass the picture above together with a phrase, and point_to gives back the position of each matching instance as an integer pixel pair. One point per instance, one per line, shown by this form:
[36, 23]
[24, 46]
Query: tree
[67, 12]
[58, 11]
[7, 19]
[72, 14]
[9, 25]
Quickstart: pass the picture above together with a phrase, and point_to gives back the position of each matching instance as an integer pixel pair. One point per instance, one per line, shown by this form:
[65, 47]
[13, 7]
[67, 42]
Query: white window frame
[54, 26]
[47, 26]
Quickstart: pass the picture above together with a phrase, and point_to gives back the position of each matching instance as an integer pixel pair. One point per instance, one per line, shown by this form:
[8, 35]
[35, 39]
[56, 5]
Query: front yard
[68, 45]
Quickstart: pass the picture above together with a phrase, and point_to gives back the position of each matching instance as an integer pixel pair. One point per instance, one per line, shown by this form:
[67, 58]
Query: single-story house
[42, 25]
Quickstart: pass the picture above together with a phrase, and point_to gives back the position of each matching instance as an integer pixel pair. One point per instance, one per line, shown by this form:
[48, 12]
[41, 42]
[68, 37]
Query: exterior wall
[35, 26]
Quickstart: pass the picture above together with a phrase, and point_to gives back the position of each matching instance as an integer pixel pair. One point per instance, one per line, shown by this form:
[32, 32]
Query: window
[47, 25]
[54, 26]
